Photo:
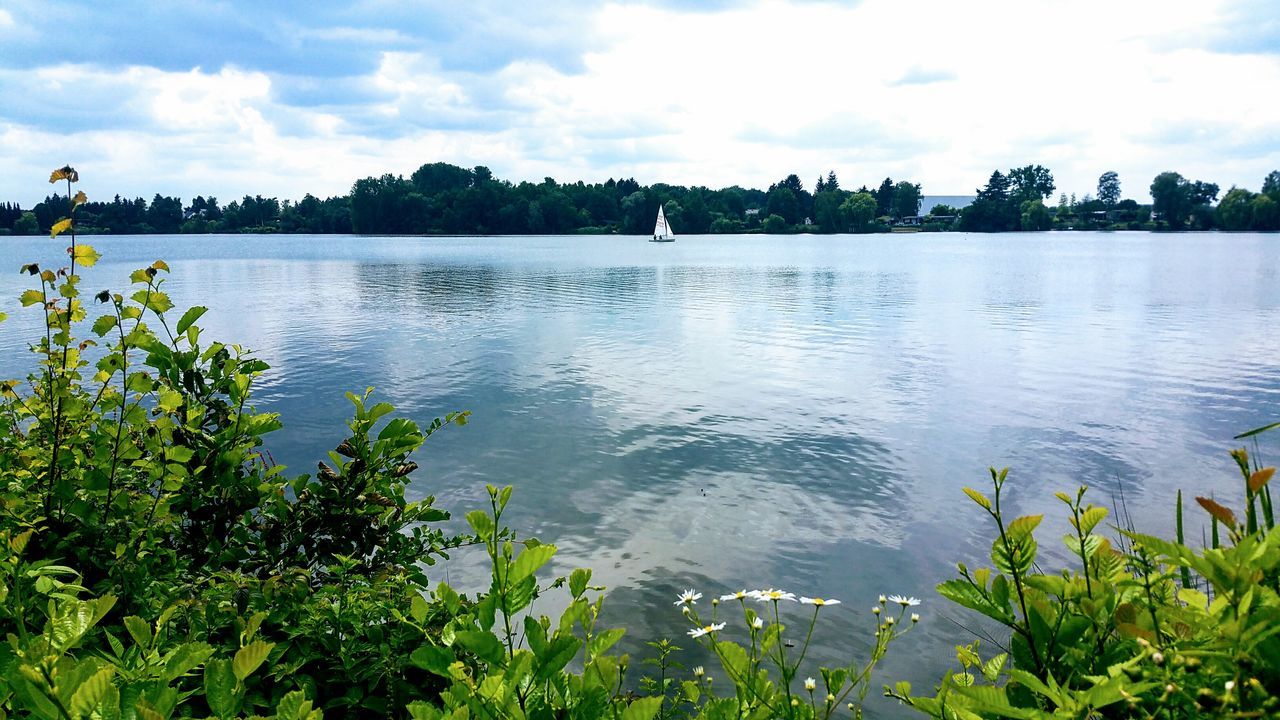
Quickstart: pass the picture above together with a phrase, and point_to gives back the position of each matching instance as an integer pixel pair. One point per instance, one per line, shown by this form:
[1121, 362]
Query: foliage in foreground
[1152, 629]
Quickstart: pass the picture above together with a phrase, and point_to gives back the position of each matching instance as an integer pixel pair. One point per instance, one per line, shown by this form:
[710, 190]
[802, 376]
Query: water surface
[728, 412]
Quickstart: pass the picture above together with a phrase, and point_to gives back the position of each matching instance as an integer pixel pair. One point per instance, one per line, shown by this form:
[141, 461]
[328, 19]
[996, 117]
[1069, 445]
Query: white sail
[661, 230]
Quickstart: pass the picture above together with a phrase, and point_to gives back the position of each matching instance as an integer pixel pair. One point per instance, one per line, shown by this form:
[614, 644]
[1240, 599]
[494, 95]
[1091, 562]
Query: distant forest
[443, 199]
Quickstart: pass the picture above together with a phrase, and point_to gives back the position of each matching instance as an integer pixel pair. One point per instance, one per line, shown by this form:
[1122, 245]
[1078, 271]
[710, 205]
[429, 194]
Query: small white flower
[740, 595]
[818, 601]
[881, 599]
[698, 671]
[1157, 657]
[774, 595]
[830, 699]
[904, 601]
[810, 684]
[705, 630]
[888, 621]
[915, 617]
[1229, 685]
[876, 609]
[688, 597]
[757, 622]
[686, 610]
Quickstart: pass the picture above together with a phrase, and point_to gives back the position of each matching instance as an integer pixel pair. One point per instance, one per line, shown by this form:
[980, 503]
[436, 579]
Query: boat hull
[663, 240]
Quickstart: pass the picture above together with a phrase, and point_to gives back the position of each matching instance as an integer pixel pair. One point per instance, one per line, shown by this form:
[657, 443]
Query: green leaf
[189, 317]
[1256, 431]
[104, 325]
[1091, 517]
[520, 596]
[169, 400]
[418, 608]
[31, 297]
[481, 523]
[89, 695]
[139, 630]
[578, 580]
[528, 562]
[966, 595]
[978, 497]
[643, 709]
[69, 628]
[220, 688]
[419, 710]
[560, 651]
[991, 668]
[535, 635]
[184, 659]
[1023, 526]
[433, 658]
[293, 706]
[249, 657]
[605, 640]
[484, 645]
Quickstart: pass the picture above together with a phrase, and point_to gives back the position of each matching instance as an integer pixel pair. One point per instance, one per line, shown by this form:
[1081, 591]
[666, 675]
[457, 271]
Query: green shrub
[1152, 629]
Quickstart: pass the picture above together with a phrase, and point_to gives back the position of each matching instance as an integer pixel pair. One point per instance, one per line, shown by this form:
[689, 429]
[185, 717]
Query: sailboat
[661, 230]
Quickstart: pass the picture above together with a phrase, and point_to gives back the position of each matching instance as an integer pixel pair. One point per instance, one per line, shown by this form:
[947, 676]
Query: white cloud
[6, 19]
[938, 92]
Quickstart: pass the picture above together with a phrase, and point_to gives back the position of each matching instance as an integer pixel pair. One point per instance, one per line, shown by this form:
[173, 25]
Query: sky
[283, 97]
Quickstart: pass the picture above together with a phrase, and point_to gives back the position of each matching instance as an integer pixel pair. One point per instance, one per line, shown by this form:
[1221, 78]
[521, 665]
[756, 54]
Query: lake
[753, 411]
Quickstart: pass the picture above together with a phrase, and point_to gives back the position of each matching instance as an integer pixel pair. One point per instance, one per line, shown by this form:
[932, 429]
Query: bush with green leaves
[133, 459]
[1150, 629]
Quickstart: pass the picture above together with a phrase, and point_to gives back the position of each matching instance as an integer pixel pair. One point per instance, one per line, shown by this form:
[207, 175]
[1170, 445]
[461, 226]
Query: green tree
[884, 198]
[1271, 185]
[1171, 199]
[27, 224]
[165, 214]
[1266, 213]
[859, 211]
[1031, 182]
[1235, 212]
[906, 199]
[826, 206]
[990, 210]
[1109, 188]
[784, 203]
[1035, 216]
[774, 224]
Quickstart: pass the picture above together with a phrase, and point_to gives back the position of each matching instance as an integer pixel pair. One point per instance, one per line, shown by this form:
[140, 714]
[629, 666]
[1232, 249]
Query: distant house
[753, 212]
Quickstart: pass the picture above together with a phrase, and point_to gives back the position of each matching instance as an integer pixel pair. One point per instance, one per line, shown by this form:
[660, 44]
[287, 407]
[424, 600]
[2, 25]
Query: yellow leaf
[60, 227]
[66, 172]
[79, 199]
[1219, 513]
[85, 255]
[978, 497]
[1260, 478]
[160, 265]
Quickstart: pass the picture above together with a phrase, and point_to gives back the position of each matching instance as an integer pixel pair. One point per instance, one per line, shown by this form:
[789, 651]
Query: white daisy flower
[698, 671]
[775, 595]
[688, 597]
[740, 595]
[705, 630]
[904, 601]
[818, 601]
[915, 617]
[882, 599]
[810, 684]
[757, 623]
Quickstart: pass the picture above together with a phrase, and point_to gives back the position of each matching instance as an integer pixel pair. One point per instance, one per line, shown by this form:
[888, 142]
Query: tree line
[440, 198]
